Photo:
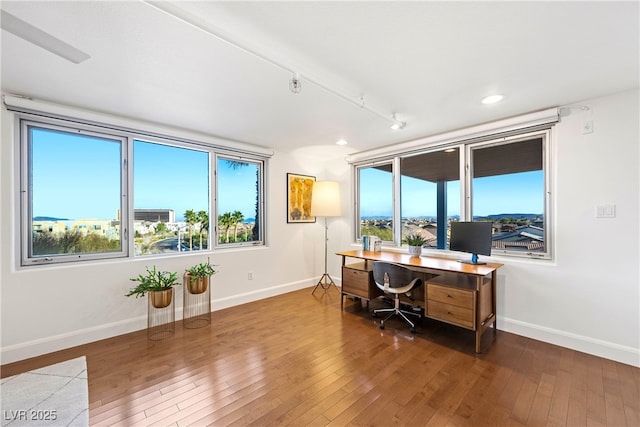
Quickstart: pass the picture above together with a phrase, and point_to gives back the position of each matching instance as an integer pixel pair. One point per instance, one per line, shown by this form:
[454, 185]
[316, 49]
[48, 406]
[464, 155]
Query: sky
[518, 193]
[78, 176]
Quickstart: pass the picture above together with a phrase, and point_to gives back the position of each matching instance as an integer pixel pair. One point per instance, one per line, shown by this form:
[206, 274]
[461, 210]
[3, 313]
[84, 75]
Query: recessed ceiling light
[341, 142]
[492, 99]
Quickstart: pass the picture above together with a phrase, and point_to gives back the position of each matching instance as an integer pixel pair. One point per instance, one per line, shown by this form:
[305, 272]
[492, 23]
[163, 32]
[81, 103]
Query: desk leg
[479, 324]
[342, 281]
[495, 305]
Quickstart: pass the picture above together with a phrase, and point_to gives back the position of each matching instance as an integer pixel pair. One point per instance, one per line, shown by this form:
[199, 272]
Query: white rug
[55, 395]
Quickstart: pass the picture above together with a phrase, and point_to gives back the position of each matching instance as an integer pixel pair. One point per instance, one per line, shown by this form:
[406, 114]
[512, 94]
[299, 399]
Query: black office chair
[399, 280]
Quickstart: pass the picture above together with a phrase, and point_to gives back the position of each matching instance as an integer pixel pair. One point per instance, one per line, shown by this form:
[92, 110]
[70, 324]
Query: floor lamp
[325, 201]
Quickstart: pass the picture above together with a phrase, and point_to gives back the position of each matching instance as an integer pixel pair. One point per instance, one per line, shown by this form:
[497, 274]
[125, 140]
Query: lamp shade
[325, 199]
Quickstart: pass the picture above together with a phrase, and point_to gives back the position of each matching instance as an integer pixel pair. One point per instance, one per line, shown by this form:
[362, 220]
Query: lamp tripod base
[325, 283]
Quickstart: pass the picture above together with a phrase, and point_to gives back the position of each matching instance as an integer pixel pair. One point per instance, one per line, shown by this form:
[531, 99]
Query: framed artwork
[299, 188]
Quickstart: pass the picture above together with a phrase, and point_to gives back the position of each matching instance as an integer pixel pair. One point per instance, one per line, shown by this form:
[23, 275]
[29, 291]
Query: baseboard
[26, 350]
[232, 301]
[601, 348]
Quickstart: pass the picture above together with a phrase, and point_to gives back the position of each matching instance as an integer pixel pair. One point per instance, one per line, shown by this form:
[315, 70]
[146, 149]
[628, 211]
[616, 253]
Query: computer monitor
[471, 237]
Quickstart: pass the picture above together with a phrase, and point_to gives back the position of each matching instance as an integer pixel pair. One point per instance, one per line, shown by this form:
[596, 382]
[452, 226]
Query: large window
[503, 180]
[92, 192]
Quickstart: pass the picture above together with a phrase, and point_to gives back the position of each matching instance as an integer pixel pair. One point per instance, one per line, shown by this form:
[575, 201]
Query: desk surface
[434, 263]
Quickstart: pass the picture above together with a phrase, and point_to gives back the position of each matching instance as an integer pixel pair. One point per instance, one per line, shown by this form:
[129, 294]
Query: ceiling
[430, 63]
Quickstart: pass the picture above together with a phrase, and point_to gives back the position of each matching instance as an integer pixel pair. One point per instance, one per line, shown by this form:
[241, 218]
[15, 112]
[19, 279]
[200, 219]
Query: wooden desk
[454, 292]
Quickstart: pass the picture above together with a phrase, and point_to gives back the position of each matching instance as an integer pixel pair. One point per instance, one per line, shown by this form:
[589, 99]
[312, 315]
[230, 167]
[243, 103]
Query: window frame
[126, 135]
[545, 134]
[174, 144]
[465, 147]
[357, 204]
[25, 208]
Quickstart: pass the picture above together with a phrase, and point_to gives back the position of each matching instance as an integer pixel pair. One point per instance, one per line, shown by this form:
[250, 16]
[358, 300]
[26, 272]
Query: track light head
[295, 84]
[397, 124]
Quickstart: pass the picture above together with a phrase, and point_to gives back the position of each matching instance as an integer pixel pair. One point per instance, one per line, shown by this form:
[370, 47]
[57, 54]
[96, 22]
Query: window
[72, 185]
[171, 198]
[508, 189]
[430, 194]
[499, 179]
[375, 202]
[239, 204]
[92, 192]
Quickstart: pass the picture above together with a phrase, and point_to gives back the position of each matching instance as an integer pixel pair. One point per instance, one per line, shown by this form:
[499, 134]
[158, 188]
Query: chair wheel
[413, 330]
[381, 325]
[374, 314]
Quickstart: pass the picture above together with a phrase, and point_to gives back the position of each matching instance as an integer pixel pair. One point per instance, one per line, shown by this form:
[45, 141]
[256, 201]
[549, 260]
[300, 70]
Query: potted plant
[197, 277]
[415, 242]
[158, 284]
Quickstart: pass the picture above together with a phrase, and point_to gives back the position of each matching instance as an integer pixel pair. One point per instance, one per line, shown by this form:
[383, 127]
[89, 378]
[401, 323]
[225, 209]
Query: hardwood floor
[296, 359]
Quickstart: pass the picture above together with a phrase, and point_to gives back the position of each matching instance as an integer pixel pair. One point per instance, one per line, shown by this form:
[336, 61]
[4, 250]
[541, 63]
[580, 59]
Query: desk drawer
[357, 282]
[450, 313]
[447, 295]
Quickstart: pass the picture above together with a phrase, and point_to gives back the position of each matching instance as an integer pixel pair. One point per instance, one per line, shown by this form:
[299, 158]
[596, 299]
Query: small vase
[415, 251]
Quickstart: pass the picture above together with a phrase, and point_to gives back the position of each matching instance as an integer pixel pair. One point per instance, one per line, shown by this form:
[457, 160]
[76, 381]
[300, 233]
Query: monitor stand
[474, 260]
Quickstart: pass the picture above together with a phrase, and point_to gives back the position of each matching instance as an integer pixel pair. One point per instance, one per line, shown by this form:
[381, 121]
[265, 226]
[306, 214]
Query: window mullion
[397, 214]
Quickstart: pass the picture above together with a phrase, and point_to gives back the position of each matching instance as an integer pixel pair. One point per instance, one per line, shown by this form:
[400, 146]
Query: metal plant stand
[161, 315]
[196, 302]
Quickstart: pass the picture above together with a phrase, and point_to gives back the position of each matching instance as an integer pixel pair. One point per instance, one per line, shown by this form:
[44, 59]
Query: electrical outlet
[587, 127]
[250, 275]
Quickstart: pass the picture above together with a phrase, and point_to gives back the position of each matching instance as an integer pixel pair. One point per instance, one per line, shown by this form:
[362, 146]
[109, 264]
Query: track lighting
[295, 84]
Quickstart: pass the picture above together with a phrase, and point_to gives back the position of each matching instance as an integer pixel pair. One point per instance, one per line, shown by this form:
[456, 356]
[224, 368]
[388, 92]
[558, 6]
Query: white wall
[588, 298]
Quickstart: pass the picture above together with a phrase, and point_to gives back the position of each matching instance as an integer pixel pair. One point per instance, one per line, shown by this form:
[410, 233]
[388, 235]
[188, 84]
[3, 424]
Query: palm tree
[225, 220]
[237, 219]
[203, 219]
[191, 217]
